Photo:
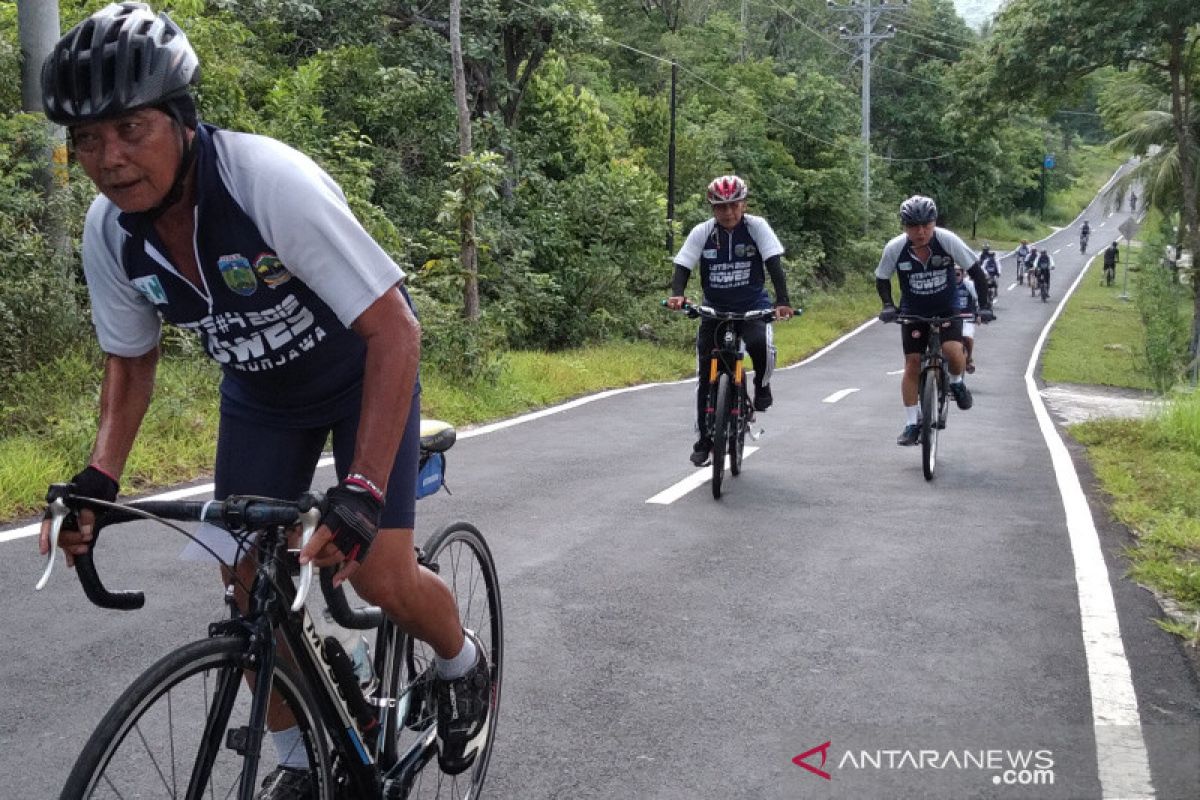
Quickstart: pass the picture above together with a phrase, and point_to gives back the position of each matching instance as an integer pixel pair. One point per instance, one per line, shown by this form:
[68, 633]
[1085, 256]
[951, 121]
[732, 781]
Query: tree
[468, 254]
[1040, 47]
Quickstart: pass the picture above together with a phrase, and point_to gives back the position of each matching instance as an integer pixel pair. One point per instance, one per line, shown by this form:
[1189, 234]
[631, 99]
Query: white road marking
[1059, 250]
[896, 372]
[1012, 286]
[841, 393]
[1122, 763]
[697, 478]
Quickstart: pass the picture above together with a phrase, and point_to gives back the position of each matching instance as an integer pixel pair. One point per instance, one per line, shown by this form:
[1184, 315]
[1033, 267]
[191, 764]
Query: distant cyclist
[923, 258]
[1041, 269]
[991, 267]
[1112, 257]
[1022, 254]
[1085, 231]
[1132, 200]
[735, 251]
[966, 301]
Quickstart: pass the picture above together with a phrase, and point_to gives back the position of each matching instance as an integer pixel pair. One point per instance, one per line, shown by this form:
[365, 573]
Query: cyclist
[1022, 254]
[1112, 257]
[1084, 232]
[966, 301]
[1041, 270]
[251, 245]
[991, 267]
[1132, 200]
[735, 251]
[924, 258]
[1031, 270]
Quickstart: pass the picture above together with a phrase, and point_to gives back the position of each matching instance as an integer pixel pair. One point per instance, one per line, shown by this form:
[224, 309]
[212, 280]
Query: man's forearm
[124, 397]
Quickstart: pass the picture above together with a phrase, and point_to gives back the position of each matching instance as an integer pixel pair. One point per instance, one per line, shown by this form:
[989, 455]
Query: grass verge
[50, 422]
[1150, 468]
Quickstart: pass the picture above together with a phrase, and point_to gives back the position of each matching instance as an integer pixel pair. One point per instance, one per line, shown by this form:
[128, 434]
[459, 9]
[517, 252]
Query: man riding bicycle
[1022, 255]
[735, 251]
[1042, 267]
[1112, 257]
[924, 258]
[1085, 231]
[250, 244]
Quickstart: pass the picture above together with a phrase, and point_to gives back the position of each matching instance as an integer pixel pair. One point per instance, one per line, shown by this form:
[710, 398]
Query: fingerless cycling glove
[352, 516]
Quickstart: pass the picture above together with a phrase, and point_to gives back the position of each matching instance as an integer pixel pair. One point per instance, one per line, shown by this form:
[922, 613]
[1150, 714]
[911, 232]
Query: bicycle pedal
[755, 435]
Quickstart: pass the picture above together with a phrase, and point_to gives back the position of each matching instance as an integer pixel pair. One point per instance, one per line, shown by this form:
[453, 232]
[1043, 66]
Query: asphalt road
[930, 633]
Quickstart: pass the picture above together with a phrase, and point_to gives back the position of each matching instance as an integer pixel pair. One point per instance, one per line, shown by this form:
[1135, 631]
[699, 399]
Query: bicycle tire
[104, 769]
[929, 420]
[737, 434]
[720, 434]
[464, 561]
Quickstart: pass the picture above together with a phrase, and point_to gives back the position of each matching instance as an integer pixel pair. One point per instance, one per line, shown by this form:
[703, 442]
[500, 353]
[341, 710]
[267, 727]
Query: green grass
[50, 422]
[1150, 468]
[1099, 337]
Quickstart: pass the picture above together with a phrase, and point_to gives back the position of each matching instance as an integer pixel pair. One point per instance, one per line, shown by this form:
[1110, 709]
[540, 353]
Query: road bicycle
[191, 726]
[933, 387]
[728, 410]
[1042, 287]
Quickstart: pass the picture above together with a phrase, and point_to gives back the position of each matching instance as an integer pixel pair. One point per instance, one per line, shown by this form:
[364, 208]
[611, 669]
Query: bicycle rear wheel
[929, 421]
[720, 434]
[174, 731]
[459, 554]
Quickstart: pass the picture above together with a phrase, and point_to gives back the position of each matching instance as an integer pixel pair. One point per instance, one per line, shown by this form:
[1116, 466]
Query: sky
[976, 11]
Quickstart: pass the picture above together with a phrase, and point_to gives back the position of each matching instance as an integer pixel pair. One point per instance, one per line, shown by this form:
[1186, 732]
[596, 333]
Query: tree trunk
[1180, 115]
[468, 252]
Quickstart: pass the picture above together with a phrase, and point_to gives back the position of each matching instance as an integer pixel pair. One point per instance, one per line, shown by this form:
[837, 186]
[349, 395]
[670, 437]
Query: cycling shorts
[913, 335]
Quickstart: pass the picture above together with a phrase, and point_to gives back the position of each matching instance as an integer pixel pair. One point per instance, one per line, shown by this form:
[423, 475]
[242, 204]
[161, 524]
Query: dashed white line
[697, 478]
[841, 393]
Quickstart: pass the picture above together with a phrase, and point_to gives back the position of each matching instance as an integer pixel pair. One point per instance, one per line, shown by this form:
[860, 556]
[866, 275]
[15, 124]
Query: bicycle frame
[276, 611]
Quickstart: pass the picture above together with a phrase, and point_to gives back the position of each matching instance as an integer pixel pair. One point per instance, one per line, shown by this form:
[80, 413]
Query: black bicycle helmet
[918, 210]
[121, 58]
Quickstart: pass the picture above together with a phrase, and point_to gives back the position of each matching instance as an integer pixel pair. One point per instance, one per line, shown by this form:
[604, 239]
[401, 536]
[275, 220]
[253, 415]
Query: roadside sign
[1048, 161]
[1128, 228]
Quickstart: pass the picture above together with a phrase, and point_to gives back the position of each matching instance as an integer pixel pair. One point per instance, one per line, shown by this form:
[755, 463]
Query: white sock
[912, 414]
[451, 668]
[956, 378]
[289, 745]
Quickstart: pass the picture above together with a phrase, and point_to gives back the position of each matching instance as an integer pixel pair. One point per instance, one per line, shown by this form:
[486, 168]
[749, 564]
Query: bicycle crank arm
[58, 514]
[309, 520]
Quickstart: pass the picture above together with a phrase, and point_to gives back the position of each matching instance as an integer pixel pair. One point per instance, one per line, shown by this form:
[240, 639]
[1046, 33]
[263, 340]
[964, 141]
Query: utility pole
[38, 31]
[870, 11]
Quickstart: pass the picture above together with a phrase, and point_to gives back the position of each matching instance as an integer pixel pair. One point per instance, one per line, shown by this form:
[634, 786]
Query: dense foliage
[571, 114]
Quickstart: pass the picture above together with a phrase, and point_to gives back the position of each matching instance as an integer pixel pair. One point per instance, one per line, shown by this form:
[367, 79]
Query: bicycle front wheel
[180, 731]
[720, 434]
[929, 422]
[459, 554]
[737, 431]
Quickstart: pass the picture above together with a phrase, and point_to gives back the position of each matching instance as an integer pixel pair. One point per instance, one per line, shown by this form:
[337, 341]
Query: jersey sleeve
[127, 324]
[303, 215]
[764, 237]
[887, 261]
[689, 255]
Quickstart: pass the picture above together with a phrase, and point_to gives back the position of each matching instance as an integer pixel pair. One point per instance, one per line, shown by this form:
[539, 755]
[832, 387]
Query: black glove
[986, 315]
[888, 314]
[352, 516]
[93, 483]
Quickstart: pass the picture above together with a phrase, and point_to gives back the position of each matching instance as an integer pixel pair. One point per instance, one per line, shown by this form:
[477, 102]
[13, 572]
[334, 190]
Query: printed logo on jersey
[940, 261]
[256, 341]
[745, 250]
[238, 275]
[151, 289]
[710, 254]
[272, 271]
[904, 266]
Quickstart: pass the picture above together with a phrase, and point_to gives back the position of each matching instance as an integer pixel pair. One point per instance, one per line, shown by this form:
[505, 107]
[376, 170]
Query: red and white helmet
[727, 189]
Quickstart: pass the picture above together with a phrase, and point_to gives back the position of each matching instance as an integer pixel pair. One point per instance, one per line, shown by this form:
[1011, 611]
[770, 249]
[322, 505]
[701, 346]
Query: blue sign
[1048, 162]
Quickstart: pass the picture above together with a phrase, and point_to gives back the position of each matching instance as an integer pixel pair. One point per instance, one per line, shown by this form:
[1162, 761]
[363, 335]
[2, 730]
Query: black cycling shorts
[913, 335]
[253, 458]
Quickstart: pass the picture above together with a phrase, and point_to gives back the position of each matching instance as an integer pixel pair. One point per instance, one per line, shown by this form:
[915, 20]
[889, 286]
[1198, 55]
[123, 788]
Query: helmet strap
[174, 194]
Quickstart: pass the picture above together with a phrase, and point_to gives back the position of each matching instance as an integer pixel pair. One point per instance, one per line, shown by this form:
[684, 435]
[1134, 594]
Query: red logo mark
[823, 749]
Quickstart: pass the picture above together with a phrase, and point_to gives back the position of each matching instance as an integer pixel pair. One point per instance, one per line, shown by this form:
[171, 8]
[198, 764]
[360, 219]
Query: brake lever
[58, 515]
[309, 520]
